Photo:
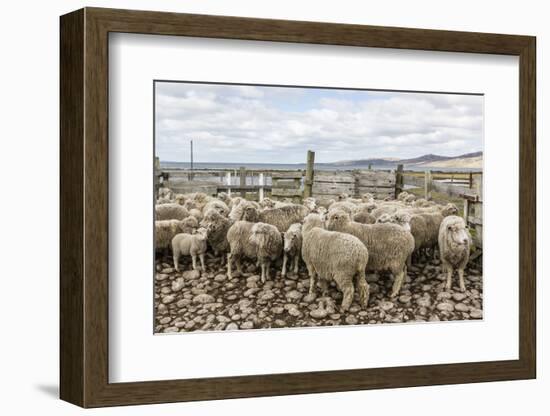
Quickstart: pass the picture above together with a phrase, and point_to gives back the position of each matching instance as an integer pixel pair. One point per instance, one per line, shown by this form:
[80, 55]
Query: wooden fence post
[471, 182]
[228, 182]
[399, 180]
[261, 183]
[242, 180]
[428, 185]
[308, 183]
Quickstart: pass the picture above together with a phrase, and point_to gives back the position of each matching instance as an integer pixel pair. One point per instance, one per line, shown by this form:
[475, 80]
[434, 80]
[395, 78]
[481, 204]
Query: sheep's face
[291, 238]
[449, 209]
[384, 218]
[458, 234]
[250, 214]
[337, 219]
[402, 219]
[202, 233]
[310, 204]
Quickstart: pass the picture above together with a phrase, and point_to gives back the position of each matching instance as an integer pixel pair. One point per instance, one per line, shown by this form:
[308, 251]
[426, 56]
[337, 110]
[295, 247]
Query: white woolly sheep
[190, 245]
[238, 237]
[217, 226]
[166, 230]
[217, 205]
[454, 248]
[389, 245]
[170, 212]
[195, 212]
[268, 244]
[165, 192]
[267, 203]
[282, 217]
[334, 256]
[292, 247]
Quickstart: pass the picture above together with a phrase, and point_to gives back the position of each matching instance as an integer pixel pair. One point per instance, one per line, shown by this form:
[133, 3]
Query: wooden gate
[380, 184]
[287, 186]
[329, 185]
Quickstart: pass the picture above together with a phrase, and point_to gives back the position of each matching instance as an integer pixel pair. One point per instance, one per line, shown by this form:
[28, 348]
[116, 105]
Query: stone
[294, 295]
[166, 320]
[445, 307]
[171, 329]
[351, 320]
[266, 295]
[372, 278]
[443, 295]
[434, 318]
[168, 299]
[203, 298]
[459, 297]
[178, 284]
[191, 274]
[476, 313]
[386, 305]
[294, 312]
[318, 313]
[161, 276]
[232, 327]
[247, 325]
[424, 302]
[279, 323]
[183, 303]
[404, 298]
[277, 310]
[220, 278]
[309, 298]
[251, 291]
[462, 307]
[167, 270]
[235, 317]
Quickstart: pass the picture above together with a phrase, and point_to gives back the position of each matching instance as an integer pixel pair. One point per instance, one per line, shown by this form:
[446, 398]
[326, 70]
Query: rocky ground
[191, 300]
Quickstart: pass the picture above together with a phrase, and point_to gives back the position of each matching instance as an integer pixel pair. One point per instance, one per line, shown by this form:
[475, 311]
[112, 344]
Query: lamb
[217, 205]
[454, 248]
[310, 203]
[282, 217]
[190, 245]
[292, 247]
[268, 243]
[170, 212]
[335, 256]
[240, 245]
[180, 199]
[166, 230]
[389, 245]
[217, 226]
[416, 224]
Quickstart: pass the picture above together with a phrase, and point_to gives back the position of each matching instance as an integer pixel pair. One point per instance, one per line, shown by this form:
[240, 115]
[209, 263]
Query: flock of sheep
[338, 243]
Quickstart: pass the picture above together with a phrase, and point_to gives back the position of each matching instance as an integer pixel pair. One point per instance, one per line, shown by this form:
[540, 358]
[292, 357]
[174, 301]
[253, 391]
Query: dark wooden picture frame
[84, 207]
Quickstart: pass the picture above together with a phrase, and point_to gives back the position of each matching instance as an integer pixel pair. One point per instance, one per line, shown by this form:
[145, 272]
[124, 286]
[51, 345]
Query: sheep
[334, 256]
[282, 217]
[165, 231]
[268, 244]
[165, 192]
[364, 217]
[217, 226]
[170, 211]
[267, 203]
[454, 248]
[190, 245]
[217, 205]
[402, 196]
[389, 245]
[240, 245]
[224, 197]
[196, 213]
[347, 206]
[310, 203]
[409, 199]
[292, 247]
[180, 199]
[367, 197]
[238, 209]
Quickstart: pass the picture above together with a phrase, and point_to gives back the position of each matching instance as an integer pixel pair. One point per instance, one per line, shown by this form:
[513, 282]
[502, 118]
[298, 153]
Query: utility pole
[191, 176]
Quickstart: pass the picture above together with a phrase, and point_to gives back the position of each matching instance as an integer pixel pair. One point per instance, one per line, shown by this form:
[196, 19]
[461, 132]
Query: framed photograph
[255, 207]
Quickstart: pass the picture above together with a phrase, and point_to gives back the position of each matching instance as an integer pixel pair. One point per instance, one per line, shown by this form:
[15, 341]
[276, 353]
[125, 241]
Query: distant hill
[468, 160]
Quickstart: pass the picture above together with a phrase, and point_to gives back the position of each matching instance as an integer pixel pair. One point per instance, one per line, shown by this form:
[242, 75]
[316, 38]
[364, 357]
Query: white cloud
[276, 124]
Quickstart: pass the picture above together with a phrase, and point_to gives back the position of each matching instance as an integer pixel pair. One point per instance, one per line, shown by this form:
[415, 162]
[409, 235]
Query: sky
[262, 124]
